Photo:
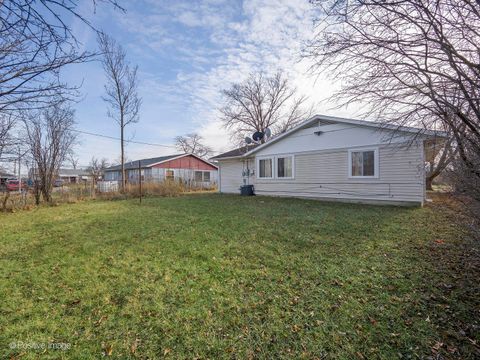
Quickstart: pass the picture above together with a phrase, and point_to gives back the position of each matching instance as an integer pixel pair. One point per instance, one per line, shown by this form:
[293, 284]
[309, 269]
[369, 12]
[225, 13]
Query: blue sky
[187, 51]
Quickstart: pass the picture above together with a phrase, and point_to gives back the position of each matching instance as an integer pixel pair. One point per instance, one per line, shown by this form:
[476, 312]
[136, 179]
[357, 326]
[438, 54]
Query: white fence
[107, 186]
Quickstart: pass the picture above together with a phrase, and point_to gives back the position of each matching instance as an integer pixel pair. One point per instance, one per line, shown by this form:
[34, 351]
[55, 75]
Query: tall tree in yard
[121, 90]
[262, 102]
[49, 136]
[410, 62]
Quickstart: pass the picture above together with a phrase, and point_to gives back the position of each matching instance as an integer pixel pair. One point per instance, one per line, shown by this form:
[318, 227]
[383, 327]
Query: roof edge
[422, 132]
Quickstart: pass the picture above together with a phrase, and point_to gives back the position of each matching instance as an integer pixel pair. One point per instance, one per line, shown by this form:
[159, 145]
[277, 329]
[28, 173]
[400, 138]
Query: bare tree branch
[406, 62]
[121, 90]
[192, 144]
[49, 137]
[262, 102]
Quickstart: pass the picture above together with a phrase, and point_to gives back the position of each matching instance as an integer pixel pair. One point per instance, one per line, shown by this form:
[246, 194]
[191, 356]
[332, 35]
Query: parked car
[14, 185]
[58, 183]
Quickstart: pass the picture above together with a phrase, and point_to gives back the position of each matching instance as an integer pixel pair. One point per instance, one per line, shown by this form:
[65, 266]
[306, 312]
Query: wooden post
[140, 180]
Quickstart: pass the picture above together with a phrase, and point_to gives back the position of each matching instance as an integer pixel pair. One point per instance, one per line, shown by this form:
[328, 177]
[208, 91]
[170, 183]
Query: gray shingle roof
[143, 162]
[73, 172]
[236, 152]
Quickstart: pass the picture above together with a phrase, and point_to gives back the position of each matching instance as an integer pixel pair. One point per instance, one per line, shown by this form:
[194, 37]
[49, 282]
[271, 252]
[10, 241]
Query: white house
[334, 158]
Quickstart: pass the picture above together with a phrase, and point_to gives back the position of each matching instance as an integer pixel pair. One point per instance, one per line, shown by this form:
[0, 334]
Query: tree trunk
[122, 156]
[5, 199]
[428, 182]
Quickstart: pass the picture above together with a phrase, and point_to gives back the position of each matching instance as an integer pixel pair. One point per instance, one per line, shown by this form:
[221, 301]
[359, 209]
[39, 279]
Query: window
[206, 176]
[169, 174]
[363, 163]
[285, 167]
[265, 168]
[202, 176]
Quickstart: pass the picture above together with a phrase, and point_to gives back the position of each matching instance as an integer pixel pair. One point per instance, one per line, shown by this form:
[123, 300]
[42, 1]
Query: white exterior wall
[321, 167]
[158, 175]
[325, 174]
[230, 174]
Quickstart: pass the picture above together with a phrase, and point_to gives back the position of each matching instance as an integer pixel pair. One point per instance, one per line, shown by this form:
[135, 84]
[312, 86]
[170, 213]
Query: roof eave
[424, 133]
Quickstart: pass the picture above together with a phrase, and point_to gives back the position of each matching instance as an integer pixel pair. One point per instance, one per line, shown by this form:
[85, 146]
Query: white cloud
[223, 43]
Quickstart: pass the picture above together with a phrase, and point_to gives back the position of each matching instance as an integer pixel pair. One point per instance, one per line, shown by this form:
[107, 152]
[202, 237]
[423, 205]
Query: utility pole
[140, 180]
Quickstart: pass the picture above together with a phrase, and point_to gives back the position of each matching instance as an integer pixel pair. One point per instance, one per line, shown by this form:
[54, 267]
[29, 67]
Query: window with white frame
[202, 176]
[363, 163]
[265, 168]
[285, 167]
[206, 176]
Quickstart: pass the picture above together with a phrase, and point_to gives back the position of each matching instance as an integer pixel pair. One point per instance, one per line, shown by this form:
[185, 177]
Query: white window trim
[293, 167]
[274, 167]
[258, 167]
[376, 162]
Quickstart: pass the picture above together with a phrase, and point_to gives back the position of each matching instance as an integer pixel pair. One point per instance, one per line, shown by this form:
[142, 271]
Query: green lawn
[212, 276]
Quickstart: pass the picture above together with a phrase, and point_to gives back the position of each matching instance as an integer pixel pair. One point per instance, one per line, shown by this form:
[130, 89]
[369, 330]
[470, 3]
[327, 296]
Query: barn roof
[146, 163]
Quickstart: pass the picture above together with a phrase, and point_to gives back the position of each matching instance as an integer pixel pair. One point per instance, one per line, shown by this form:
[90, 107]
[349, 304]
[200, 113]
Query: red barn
[182, 167]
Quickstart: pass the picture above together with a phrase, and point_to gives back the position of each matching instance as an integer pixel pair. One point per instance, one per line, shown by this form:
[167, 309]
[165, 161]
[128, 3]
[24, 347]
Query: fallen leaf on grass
[133, 347]
[99, 321]
[107, 349]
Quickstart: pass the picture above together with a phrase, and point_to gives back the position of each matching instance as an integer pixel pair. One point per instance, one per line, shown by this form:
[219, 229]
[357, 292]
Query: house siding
[186, 162]
[230, 176]
[324, 174]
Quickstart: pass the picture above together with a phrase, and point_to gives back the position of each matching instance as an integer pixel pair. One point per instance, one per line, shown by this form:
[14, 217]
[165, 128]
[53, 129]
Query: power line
[129, 141]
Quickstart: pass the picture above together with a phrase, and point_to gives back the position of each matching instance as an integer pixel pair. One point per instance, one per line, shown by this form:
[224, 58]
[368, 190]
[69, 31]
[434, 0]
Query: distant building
[73, 176]
[188, 168]
[69, 176]
[4, 176]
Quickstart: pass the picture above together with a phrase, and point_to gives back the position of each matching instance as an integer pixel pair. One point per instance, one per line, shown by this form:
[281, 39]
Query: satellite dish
[248, 140]
[268, 132]
[258, 135]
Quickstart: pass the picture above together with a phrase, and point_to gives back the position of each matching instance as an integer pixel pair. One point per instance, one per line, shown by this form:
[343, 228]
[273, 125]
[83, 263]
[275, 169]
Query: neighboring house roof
[334, 119]
[146, 163]
[6, 175]
[236, 152]
[72, 172]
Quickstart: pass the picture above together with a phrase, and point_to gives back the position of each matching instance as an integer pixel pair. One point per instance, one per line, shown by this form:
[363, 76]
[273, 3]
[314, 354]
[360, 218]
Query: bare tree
[35, 44]
[192, 144]
[50, 139]
[97, 167]
[262, 102]
[121, 92]
[408, 62]
[72, 159]
[7, 123]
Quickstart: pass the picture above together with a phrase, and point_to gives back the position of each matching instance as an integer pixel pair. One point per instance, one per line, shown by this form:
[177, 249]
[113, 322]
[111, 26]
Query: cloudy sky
[187, 51]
